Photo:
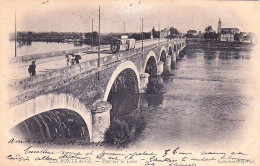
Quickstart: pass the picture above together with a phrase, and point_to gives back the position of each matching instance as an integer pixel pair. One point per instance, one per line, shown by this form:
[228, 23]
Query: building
[228, 37]
[226, 34]
[164, 33]
[245, 38]
[230, 30]
[219, 25]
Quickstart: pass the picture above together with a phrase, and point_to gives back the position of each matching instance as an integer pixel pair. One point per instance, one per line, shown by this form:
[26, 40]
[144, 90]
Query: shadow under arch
[170, 50]
[51, 101]
[125, 78]
[163, 56]
[54, 125]
[150, 65]
[175, 47]
[124, 94]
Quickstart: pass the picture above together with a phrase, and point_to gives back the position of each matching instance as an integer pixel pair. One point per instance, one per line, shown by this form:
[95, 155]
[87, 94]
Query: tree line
[173, 32]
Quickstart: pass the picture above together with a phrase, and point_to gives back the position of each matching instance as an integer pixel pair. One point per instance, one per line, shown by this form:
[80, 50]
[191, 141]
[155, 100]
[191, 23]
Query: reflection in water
[210, 55]
[233, 54]
[127, 118]
[123, 104]
[24, 43]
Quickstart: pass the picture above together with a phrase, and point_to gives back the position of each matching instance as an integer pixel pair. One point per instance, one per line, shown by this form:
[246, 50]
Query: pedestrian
[68, 59]
[72, 59]
[77, 58]
[32, 69]
[118, 46]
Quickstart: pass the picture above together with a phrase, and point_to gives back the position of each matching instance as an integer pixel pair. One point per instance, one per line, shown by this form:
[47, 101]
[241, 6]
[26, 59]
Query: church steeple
[219, 25]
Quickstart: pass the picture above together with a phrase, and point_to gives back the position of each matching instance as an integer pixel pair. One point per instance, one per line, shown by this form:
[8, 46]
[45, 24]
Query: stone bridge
[85, 88]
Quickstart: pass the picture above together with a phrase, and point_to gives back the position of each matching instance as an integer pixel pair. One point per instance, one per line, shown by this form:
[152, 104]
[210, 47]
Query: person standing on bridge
[69, 59]
[72, 60]
[32, 69]
[77, 58]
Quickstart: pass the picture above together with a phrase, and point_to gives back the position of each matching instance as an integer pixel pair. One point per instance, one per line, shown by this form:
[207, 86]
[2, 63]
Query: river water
[204, 104]
[28, 48]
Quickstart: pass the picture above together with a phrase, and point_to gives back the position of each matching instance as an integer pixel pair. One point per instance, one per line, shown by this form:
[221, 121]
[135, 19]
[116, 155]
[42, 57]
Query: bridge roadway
[20, 70]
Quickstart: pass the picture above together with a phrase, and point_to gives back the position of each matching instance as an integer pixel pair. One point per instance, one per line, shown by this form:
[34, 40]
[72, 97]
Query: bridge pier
[100, 119]
[177, 54]
[167, 66]
[143, 102]
[173, 64]
[144, 79]
[160, 68]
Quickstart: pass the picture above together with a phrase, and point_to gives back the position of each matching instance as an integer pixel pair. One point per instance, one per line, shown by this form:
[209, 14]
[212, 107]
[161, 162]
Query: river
[28, 48]
[204, 104]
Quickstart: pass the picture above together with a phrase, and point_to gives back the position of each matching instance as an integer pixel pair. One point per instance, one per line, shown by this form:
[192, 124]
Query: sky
[75, 16]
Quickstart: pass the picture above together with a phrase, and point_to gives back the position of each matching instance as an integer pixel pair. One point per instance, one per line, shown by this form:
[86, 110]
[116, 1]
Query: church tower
[219, 25]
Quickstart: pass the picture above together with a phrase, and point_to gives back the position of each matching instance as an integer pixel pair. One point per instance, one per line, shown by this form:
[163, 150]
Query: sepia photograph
[135, 82]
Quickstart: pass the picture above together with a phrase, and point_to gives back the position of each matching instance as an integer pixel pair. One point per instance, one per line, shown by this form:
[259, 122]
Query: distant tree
[88, 38]
[138, 36]
[189, 36]
[20, 34]
[95, 35]
[155, 33]
[208, 29]
[211, 35]
[89, 35]
[174, 31]
[29, 36]
[29, 33]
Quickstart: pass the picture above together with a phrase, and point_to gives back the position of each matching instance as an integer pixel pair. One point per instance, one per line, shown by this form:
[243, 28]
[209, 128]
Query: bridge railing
[44, 80]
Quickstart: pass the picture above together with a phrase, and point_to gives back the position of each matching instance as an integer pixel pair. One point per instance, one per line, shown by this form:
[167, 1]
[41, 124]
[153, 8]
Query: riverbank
[201, 43]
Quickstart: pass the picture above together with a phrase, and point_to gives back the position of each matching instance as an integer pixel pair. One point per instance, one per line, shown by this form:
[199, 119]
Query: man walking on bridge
[77, 58]
[69, 59]
[32, 69]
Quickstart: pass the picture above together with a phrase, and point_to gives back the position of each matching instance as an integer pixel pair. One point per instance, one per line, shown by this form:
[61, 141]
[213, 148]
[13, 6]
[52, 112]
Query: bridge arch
[150, 65]
[173, 56]
[50, 102]
[163, 54]
[128, 65]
